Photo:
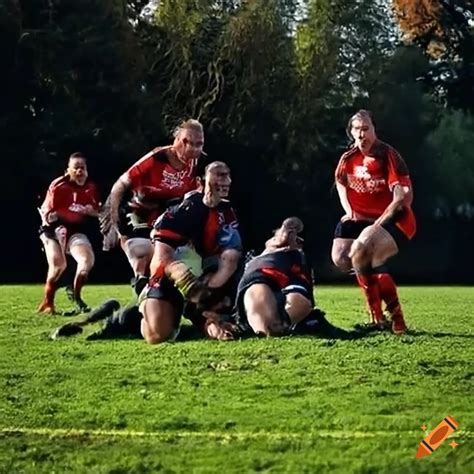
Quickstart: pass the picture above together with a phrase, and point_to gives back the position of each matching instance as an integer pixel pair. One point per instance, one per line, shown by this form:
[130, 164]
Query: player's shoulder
[92, 185]
[160, 154]
[156, 156]
[349, 153]
[59, 182]
[386, 150]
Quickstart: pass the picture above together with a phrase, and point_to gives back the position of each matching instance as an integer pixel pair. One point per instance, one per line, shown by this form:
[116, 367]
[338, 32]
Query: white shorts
[75, 239]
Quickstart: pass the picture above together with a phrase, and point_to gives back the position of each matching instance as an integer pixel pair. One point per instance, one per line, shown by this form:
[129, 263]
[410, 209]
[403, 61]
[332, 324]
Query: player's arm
[110, 215]
[399, 181]
[47, 211]
[402, 197]
[54, 209]
[342, 193]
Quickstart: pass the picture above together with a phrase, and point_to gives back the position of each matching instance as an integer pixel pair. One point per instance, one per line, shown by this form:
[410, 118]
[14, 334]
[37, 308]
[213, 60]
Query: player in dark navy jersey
[206, 221]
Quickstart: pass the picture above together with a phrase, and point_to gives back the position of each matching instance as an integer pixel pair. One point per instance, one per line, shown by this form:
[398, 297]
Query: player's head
[361, 129]
[188, 140]
[77, 168]
[287, 233]
[217, 179]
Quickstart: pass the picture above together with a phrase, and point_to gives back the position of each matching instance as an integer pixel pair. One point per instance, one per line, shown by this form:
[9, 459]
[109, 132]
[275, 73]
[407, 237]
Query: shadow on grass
[414, 332]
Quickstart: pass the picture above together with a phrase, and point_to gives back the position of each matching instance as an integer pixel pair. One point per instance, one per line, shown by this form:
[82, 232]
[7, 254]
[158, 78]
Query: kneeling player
[206, 221]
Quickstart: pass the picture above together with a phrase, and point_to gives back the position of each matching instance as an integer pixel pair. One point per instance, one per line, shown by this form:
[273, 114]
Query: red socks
[388, 292]
[370, 287]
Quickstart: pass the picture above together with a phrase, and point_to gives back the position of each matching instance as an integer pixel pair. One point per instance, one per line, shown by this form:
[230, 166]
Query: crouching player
[206, 221]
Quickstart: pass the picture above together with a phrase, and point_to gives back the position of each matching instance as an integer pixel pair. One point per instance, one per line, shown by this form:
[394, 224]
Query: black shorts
[132, 225]
[351, 230]
[163, 289]
[254, 278]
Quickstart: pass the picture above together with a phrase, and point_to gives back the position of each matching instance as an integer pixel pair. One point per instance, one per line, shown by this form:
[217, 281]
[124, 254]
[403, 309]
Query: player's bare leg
[340, 253]
[361, 254]
[387, 247]
[370, 251]
[84, 256]
[139, 252]
[160, 320]
[262, 311]
[297, 307]
[56, 266]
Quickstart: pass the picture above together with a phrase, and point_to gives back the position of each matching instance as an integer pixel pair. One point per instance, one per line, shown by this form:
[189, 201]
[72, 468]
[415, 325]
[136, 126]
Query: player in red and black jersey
[71, 203]
[142, 193]
[206, 221]
[275, 292]
[375, 191]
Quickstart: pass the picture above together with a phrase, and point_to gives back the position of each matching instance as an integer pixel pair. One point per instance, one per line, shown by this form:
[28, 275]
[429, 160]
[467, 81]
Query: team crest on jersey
[173, 180]
[363, 181]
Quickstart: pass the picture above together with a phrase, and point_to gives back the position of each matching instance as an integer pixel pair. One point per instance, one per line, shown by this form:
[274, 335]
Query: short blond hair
[190, 124]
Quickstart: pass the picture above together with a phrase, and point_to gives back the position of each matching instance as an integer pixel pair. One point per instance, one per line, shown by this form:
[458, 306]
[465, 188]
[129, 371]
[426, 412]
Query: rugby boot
[398, 324]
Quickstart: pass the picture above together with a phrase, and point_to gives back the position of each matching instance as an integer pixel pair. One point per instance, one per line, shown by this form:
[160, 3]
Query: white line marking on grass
[234, 435]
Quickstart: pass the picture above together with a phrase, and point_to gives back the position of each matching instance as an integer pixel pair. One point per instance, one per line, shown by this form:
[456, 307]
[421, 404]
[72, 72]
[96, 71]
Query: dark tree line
[273, 81]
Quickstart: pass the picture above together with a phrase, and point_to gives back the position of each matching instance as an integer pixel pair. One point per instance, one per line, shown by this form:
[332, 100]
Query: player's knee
[342, 261]
[155, 338]
[57, 269]
[359, 254]
[138, 248]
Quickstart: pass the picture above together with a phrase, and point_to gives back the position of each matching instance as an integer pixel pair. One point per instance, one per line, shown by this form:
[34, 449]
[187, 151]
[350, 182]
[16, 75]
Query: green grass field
[296, 404]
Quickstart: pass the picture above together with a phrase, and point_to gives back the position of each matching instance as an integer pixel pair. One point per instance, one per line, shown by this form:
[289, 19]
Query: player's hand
[50, 217]
[216, 329]
[90, 210]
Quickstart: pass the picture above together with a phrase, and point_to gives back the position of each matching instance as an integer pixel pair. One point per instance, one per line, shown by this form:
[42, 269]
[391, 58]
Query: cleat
[66, 330]
[317, 324]
[82, 306]
[69, 293]
[138, 283]
[372, 327]
[398, 325]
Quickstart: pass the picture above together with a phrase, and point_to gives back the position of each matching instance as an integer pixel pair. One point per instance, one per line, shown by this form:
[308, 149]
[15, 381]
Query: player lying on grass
[275, 293]
[68, 215]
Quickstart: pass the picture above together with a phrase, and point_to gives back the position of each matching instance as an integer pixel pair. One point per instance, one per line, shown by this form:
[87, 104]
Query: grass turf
[295, 404]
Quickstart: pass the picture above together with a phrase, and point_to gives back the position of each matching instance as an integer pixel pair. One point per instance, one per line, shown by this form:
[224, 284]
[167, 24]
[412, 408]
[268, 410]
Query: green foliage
[294, 404]
[451, 145]
[444, 31]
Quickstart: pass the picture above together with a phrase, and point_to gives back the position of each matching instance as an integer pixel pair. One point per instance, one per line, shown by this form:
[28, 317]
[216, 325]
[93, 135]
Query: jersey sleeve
[397, 170]
[340, 174]
[175, 226]
[138, 172]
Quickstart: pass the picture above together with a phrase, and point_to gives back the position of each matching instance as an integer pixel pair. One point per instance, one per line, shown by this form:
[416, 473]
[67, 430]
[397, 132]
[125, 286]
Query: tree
[444, 31]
